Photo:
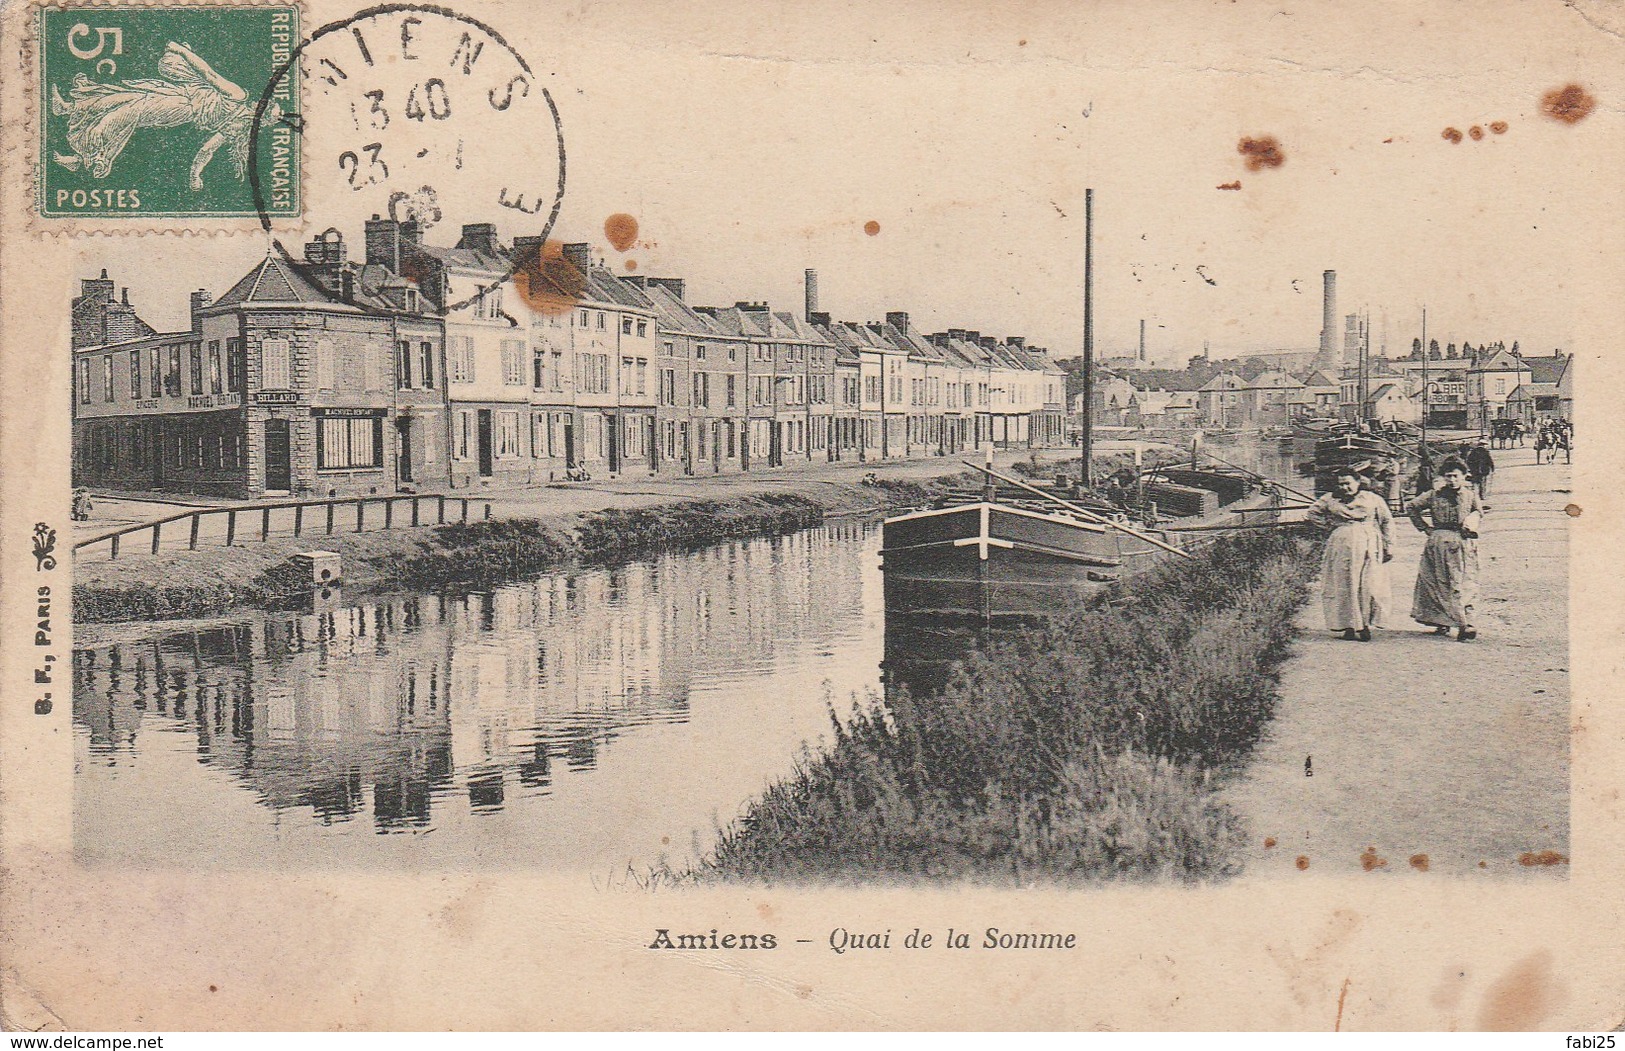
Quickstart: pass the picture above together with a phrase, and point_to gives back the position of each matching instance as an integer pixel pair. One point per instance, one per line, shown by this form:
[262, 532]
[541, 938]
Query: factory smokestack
[812, 293]
[1141, 358]
[1329, 355]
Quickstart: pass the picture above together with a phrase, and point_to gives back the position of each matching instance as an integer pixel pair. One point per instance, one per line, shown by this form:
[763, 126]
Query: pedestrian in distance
[1354, 590]
[1447, 580]
[1481, 465]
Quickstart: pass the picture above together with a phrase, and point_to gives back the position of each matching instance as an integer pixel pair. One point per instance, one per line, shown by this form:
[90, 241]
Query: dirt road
[1429, 755]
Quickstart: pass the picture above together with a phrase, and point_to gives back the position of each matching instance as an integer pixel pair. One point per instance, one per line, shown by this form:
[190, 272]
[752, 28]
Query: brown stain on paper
[1419, 862]
[547, 283]
[1568, 105]
[1572, 510]
[1269, 841]
[1302, 862]
[1450, 135]
[1498, 126]
[1475, 133]
[1370, 861]
[1522, 998]
[621, 230]
[871, 228]
[1545, 858]
[1262, 152]
[1229, 185]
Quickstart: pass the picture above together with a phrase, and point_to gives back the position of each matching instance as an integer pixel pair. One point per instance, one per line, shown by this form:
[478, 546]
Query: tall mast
[1087, 422]
[1427, 389]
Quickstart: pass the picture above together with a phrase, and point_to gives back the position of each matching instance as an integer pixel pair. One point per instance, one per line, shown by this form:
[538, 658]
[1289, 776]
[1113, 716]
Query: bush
[1087, 747]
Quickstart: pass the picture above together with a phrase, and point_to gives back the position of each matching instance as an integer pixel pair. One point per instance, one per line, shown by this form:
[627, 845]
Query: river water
[590, 719]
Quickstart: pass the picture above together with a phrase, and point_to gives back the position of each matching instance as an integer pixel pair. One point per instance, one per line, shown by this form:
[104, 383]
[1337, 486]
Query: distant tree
[1433, 350]
[1416, 349]
[1450, 351]
[1514, 347]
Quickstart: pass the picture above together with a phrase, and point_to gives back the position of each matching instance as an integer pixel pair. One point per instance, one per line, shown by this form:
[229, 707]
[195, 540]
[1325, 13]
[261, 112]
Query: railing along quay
[329, 520]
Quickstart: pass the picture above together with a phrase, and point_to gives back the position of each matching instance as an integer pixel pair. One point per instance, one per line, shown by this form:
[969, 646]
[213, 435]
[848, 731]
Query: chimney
[957, 334]
[479, 237]
[939, 338]
[1141, 356]
[412, 232]
[1016, 341]
[347, 285]
[1328, 320]
[812, 294]
[818, 317]
[579, 255]
[752, 306]
[527, 250]
[635, 280]
[971, 336]
[990, 342]
[384, 243]
[897, 319]
[97, 287]
[673, 285]
[200, 299]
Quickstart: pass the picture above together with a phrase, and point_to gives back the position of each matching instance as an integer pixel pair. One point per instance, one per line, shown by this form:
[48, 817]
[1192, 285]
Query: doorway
[403, 451]
[278, 458]
[486, 463]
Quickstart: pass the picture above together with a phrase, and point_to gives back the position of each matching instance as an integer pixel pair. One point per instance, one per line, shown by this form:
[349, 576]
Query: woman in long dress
[103, 117]
[1353, 571]
[1447, 581]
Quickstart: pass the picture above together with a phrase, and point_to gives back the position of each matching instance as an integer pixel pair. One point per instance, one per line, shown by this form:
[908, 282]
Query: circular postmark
[420, 113]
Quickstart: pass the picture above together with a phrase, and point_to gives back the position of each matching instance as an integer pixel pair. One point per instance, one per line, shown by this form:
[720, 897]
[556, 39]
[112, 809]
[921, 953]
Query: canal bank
[1418, 754]
[600, 527]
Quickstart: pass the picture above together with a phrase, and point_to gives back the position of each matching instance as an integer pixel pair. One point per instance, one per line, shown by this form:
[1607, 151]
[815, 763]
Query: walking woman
[1447, 582]
[1353, 574]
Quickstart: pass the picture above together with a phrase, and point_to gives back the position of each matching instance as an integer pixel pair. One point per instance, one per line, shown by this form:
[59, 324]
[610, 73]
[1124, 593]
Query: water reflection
[440, 711]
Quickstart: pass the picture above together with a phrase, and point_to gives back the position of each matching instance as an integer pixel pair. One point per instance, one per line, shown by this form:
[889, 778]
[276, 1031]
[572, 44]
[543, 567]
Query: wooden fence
[324, 519]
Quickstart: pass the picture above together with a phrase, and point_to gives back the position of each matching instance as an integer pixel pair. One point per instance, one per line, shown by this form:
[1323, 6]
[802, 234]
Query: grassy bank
[1084, 749]
[203, 583]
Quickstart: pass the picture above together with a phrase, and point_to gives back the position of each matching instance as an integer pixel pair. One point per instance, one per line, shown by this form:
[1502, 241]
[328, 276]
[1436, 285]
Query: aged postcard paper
[737, 515]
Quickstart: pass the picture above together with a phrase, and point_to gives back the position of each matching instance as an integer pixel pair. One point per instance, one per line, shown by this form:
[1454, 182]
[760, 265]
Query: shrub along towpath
[1087, 748]
[1430, 755]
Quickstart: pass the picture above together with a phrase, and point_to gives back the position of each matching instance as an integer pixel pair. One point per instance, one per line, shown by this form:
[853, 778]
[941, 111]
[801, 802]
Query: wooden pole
[1086, 423]
[1083, 512]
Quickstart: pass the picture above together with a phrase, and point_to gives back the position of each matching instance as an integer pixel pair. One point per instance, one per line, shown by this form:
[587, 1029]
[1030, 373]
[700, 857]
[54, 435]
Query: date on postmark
[149, 112]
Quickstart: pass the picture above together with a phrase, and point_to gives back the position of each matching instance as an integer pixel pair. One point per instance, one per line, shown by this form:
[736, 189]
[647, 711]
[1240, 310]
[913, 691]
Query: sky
[752, 147]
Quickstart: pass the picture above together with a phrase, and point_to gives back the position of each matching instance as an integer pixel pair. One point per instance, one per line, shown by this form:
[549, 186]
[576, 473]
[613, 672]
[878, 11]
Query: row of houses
[484, 364]
[1465, 393]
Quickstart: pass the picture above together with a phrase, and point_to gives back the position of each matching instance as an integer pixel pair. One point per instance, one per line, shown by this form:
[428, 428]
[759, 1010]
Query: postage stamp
[148, 112]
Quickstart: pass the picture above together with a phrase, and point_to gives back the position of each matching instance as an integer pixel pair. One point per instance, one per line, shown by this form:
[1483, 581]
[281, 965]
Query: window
[195, 360]
[462, 435]
[513, 363]
[668, 386]
[583, 319]
[699, 352]
[234, 366]
[642, 385]
[216, 380]
[461, 353]
[275, 370]
[343, 442]
[558, 370]
[135, 374]
[507, 434]
[730, 390]
[626, 376]
[643, 328]
[172, 374]
[626, 326]
[403, 365]
[538, 370]
[702, 390]
[84, 381]
[107, 377]
[426, 365]
[600, 321]
[733, 353]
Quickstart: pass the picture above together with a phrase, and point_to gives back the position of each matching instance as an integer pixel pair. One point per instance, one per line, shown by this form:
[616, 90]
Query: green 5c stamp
[148, 111]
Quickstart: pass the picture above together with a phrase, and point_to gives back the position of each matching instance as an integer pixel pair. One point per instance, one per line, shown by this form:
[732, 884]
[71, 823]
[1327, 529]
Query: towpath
[1428, 754]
